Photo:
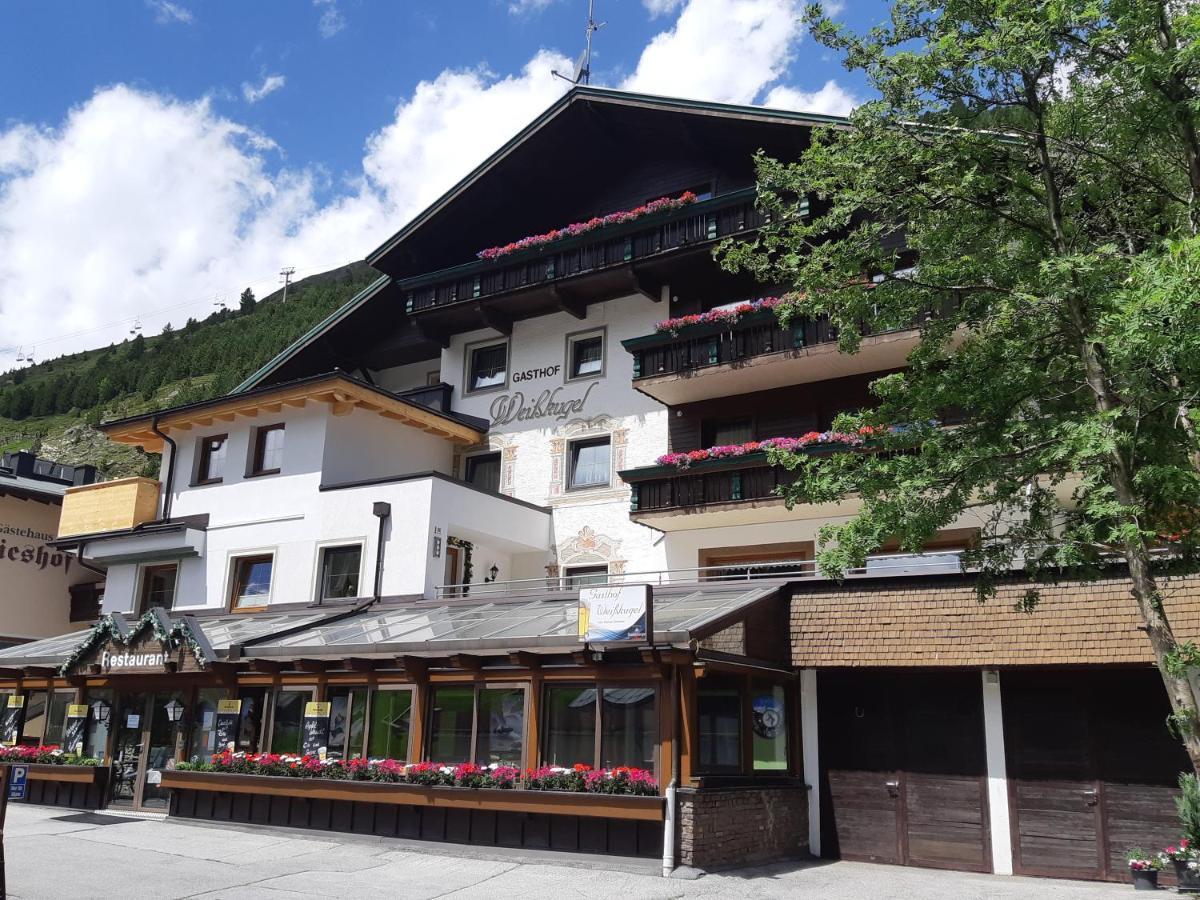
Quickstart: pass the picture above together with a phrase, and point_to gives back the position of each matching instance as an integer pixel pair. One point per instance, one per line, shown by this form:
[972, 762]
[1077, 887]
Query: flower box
[74, 774]
[617, 806]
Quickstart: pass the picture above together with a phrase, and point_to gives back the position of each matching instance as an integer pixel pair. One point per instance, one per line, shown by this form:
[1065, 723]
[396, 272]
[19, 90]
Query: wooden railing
[749, 477]
[617, 245]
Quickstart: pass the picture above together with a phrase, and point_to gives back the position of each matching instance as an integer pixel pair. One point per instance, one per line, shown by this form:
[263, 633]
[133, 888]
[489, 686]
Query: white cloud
[332, 21]
[270, 84]
[722, 50]
[166, 13]
[833, 8]
[528, 7]
[658, 8]
[137, 203]
[832, 99]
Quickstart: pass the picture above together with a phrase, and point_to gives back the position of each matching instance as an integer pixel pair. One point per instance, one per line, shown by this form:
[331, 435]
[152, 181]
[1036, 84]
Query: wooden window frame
[598, 736]
[235, 563]
[745, 768]
[272, 703]
[372, 691]
[574, 338]
[144, 573]
[204, 460]
[477, 686]
[258, 450]
[572, 449]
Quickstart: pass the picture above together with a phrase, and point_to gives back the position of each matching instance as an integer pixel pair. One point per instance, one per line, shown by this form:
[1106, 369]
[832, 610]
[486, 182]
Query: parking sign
[17, 777]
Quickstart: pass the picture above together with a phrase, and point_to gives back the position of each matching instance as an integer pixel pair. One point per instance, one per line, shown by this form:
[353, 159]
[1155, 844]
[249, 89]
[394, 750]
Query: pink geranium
[725, 316]
[682, 460]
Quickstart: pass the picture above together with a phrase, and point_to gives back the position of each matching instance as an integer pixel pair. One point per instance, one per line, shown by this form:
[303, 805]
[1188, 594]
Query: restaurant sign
[609, 613]
[145, 654]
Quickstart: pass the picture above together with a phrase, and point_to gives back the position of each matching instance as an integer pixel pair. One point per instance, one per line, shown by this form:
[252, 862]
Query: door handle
[1091, 798]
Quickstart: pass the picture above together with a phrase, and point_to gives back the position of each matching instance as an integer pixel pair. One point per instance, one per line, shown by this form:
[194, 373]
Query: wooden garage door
[903, 768]
[1092, 770]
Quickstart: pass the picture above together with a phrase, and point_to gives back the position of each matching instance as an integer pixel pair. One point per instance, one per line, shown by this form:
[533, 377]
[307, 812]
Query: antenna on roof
[583, 66]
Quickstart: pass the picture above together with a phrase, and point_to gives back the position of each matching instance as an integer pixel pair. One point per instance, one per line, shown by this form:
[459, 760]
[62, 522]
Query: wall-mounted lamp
[494, 571]
[101, 712]
[174, 711]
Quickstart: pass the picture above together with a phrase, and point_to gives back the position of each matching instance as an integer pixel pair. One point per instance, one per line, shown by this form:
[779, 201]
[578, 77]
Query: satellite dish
[581, 68]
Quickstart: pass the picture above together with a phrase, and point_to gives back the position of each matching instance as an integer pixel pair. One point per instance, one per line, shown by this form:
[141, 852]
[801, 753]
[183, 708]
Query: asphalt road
[48, 857]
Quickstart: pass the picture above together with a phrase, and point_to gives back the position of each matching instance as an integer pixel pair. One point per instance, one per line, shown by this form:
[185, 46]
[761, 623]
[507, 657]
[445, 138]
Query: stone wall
[738, 826]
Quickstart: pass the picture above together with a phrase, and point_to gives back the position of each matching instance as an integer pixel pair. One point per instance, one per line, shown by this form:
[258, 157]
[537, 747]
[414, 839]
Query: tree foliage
[1027, 191]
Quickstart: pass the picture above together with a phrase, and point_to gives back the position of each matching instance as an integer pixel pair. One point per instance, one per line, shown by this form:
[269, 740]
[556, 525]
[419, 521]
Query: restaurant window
[251, 719]
[483, 471]
[268, 450]
[56, 716]
[95, 741]
[589, 463]
[158, 586]
[390, 724]
[585, 355]
[718, 727]
[487, 366]
[723, 432]
[347, 722]
[625, 721]
[575, 577]
[288, 720]
[340, 572]
[34, 724]
[210, 466]
[483, 725]
[768, 708]
[204, 722]
[251, 581]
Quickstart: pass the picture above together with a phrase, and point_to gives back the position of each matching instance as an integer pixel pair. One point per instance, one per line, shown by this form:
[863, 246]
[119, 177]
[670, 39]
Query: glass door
[145, 746]
[162, 737]
[127, 748]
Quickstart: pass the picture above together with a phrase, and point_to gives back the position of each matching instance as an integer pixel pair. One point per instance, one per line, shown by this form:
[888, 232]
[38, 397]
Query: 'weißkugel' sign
[609, 613]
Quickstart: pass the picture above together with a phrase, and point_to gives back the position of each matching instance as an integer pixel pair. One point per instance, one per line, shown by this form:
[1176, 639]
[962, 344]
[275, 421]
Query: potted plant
[1186, 855]
[1144, 868]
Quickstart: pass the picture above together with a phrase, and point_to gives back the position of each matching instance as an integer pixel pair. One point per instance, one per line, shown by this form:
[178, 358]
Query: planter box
[548, 820]
[74, 787]
[609, 806]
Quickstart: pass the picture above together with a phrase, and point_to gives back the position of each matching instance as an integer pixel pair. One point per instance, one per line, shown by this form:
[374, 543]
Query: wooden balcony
[754, 354]
[108, 506]
[741, 490]
[642, 256]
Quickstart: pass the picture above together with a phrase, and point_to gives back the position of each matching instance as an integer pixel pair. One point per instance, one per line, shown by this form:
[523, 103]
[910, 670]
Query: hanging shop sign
[75, 727]
[229, 713]
[609, 613]
[549, 404]
[314, 732]
[13, 718]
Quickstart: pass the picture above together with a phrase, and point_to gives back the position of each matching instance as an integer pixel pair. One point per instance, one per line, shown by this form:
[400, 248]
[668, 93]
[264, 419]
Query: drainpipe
[668, 860]
[382, 510]
[170, 485]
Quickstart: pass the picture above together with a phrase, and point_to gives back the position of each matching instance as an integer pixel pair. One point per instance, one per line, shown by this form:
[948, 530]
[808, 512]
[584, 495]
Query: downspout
[668, 860]
[382, 510]
[170, 485]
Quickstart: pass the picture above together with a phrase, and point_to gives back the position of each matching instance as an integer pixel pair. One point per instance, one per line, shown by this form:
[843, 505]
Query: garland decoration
[110, 627]
[468, 567]
[597, 222]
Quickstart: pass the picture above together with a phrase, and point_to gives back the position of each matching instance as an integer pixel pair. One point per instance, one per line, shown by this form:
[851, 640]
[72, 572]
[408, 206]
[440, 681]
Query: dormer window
[211, 466]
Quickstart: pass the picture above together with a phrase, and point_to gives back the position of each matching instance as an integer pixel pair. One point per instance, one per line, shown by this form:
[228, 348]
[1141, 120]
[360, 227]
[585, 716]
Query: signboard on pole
[616, 612]
[75, 728]
[229, 712]
[314, 732]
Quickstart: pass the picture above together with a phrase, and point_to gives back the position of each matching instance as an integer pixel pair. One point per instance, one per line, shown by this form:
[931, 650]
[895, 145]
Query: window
[250, 719]
[768, 707]
[96, 741]
[433, 378]
[56, 716]
[391, 724]
[288, 720]
[625, 722]
[158, 586]
[589, 463]
[482, 725]
[35, 717]
[483, 471]
[718, 727]
[347, 722]
[251, 581]
[268, 450]
[211, 466]
[585, 355]
[729, 431]
[575, 577]
[487, 366]
[340, 569]
[204, 721]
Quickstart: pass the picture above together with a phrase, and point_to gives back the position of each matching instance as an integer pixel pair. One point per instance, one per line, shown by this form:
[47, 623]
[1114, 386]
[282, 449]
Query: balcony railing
[606, 248]
[749, 477]
[933, 562]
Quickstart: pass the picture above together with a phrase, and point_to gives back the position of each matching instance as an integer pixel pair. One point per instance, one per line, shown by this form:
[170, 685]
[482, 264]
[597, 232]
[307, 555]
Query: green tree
[1040, 165]
[246, 302]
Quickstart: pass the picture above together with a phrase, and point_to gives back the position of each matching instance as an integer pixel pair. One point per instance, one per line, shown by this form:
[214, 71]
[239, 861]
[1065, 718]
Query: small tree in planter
[1144, 868]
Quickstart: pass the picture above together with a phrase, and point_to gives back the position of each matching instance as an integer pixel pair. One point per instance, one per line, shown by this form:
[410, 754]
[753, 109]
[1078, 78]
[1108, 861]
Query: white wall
[366, 445]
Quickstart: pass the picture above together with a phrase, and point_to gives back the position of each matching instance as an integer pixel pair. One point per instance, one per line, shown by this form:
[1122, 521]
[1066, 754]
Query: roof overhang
[341, 393]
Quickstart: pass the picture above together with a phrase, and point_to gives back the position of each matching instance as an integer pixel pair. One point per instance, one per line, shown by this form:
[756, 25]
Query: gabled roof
[608, 96]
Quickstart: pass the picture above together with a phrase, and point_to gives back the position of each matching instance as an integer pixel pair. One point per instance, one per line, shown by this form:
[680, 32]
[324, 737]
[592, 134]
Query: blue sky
[155, 154]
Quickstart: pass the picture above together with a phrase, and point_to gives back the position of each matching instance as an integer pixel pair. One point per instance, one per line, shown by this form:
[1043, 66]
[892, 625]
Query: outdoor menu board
[229, 712]
[11, 720]
[314, 732]
[75, 728]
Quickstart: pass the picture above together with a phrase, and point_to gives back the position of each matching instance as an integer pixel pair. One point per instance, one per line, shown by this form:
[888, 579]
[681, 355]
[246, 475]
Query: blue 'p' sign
[17, 779]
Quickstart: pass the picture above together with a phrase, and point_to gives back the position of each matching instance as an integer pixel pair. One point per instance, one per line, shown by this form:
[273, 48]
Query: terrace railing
[606, 248]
